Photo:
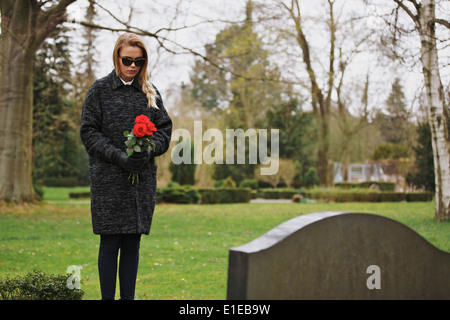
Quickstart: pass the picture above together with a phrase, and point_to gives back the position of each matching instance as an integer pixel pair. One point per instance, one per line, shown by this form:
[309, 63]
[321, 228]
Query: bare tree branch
[414, 17]
[443, 22]
[183, 49]
[48, 19]
[415, 4]
[163, 42]
[316, 93]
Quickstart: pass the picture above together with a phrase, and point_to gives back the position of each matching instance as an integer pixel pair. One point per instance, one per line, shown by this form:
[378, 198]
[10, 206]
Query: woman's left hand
[147, 155]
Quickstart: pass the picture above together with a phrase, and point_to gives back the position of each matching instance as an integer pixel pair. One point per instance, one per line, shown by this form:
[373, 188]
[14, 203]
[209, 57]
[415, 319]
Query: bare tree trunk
[15, 127]
[320, 103]
[423, 15]
[438, 111]
[24, 26]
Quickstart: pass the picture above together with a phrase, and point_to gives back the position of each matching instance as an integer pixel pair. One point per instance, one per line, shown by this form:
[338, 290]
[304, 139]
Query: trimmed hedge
[282, 193]
[60, 182]
[383, 186]
[79, 195]
[187, 194]
[365, 195]
[416, 196]
[232, 195]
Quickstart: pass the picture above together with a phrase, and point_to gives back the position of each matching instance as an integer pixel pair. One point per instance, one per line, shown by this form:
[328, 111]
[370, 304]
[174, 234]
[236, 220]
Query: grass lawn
[186, 254]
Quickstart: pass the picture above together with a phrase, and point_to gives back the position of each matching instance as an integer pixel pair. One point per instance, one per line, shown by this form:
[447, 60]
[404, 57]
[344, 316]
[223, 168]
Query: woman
[122, 211]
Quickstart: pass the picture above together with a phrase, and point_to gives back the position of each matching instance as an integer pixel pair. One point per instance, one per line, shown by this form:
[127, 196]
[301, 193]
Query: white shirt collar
[127, 83]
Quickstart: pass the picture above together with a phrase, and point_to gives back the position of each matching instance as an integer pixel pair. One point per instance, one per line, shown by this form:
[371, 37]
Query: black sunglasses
[127, 61]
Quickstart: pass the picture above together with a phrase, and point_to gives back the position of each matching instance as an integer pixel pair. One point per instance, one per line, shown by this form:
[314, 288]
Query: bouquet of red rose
[139, 139]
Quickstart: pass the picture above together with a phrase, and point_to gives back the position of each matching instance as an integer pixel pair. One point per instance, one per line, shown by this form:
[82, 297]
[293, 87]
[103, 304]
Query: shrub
[174, 193]
[209, 196]
[225, 183]
[39, 191]
[236, 195]
[297, 198]
[249, 183]
[422, 196]
[38, 285]
[311, 178]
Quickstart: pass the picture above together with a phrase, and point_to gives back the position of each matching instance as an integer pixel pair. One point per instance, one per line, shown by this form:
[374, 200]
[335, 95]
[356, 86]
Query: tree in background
[83, 78]
[84, 74]
[54, 131]
[423, 175]
[423, 16]
[395, 126]
[398, 115]
[242, 90]
[388, 151]
[239, 91]
[298, 133]
[325, 49]
[24, 27]
[311, 178]
[184, 173]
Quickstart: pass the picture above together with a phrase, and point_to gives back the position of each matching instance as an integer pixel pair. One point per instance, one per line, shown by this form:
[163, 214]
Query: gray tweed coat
[110, 107]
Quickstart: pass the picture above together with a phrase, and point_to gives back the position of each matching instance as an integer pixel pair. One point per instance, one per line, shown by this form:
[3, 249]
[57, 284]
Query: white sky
[171, 70]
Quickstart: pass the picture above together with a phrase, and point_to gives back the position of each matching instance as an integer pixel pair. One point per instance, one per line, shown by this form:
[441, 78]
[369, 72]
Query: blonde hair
[134, 40]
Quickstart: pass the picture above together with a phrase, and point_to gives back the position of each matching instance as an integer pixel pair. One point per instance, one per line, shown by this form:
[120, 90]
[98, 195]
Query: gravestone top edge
[284, 230]
[293, 225]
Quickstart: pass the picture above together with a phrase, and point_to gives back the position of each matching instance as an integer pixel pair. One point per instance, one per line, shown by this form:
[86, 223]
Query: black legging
[128, 264]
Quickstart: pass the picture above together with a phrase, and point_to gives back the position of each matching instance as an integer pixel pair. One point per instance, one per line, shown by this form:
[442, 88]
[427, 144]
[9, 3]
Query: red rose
[142, 119]
[150, 128]
[140, 129]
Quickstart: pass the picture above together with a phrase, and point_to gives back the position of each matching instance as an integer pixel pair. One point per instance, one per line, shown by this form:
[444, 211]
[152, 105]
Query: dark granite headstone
[337, 255]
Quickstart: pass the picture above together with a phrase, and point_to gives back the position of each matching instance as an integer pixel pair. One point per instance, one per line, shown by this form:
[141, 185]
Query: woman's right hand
[133, 164]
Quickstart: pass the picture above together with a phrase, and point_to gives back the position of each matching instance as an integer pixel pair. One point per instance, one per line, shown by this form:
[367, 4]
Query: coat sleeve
[163, 123]
[95, 142]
